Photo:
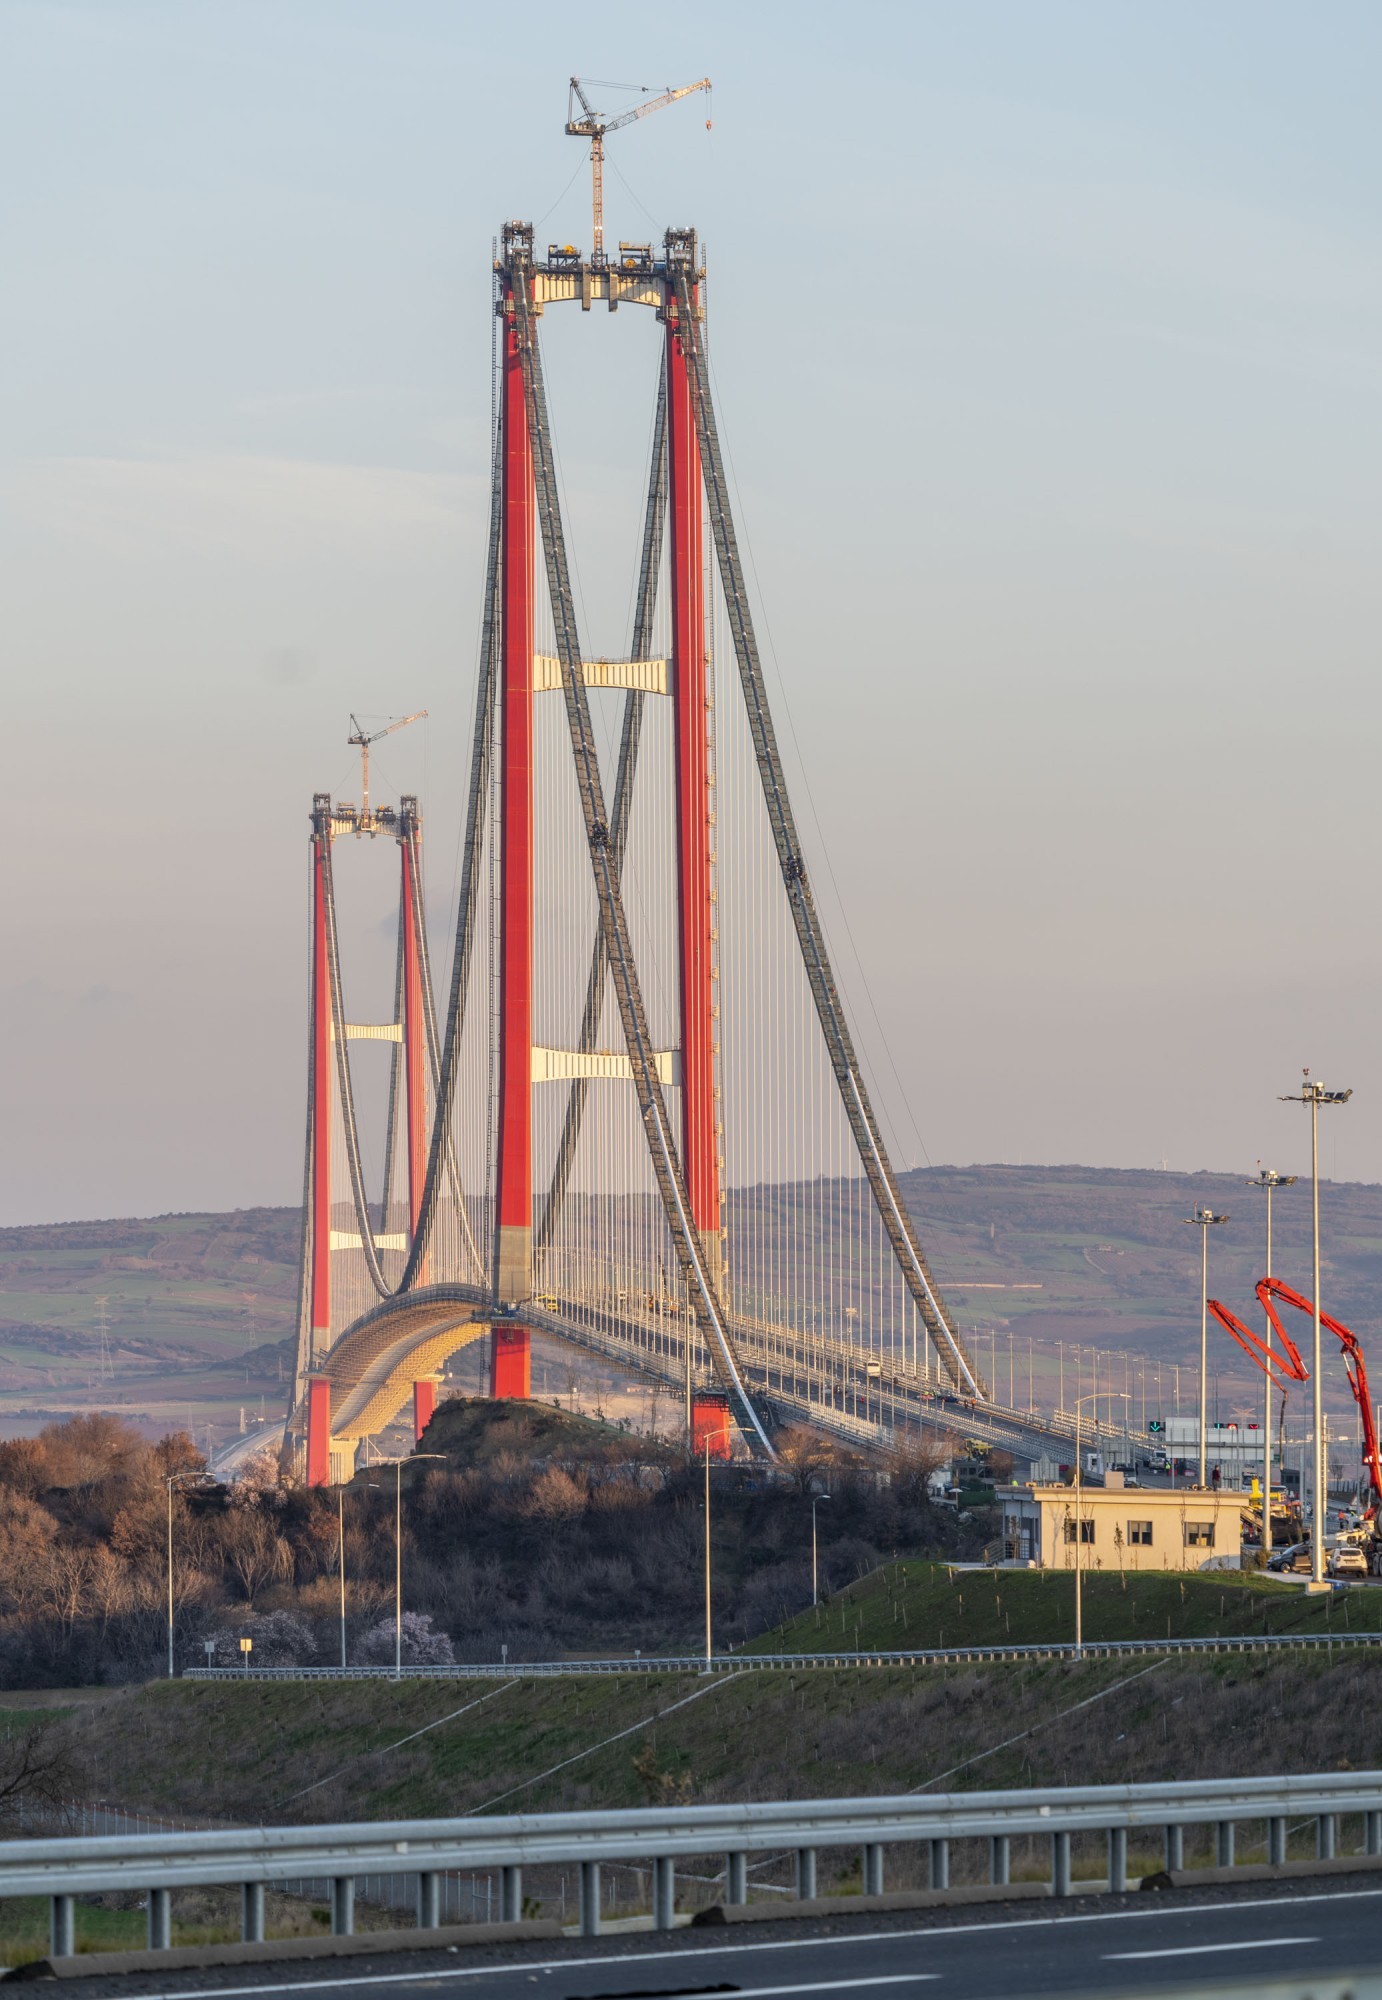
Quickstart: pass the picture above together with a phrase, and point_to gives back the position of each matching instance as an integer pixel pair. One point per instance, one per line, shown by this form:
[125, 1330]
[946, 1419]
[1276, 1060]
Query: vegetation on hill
[546, 1532]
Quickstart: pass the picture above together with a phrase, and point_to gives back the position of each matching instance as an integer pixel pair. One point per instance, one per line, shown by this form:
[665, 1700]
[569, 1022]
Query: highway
[1195, 1944]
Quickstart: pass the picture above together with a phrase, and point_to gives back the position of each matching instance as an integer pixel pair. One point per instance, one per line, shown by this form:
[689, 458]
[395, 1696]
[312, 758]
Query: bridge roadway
[832, 1385]
[1313, 1937]
[823, 1382]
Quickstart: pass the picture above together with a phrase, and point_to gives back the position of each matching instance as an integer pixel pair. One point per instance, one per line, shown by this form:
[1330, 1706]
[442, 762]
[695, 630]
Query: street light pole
[172, 1479]
[398, 1569]
[1079, 1525]
[722, 1432]
[1079, 1532]
[397, 1560]
[1269, 1181]
[340, 1561]
[1314, 1094]
[170, 1579]
[707, 1548]
[816, 1499]
[1204, 1219]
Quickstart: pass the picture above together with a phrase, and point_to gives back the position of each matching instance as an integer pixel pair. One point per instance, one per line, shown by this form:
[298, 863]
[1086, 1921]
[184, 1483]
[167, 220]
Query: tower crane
[364, 738]
[593, 125]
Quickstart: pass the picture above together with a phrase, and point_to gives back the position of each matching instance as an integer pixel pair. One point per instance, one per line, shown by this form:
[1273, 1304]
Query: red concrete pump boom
[1284, 1365]
[1289, 1366]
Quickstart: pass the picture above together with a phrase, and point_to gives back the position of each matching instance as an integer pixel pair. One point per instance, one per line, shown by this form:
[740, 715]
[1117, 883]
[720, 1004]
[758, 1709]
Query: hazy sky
[1047, 342]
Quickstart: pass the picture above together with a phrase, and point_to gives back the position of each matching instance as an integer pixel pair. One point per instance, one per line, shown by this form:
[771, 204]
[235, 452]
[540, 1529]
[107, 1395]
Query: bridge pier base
[424, 1407]
[319, 1431]
[711, 1426]
[510, 1364]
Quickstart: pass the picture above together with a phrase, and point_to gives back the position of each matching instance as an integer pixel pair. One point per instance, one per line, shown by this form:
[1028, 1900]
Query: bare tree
[804, 1454]
[917, 1457]
[38, 1766]
[254, 1552]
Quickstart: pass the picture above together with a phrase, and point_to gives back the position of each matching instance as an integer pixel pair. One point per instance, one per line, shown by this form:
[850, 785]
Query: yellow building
[1121, 1527]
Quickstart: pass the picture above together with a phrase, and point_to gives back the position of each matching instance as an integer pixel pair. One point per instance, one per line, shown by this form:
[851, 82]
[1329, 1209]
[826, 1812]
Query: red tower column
[424, 1407]
[700, 1145]
[514, 1194]
[318, 1431]
[320, 1237]
[414, 1037]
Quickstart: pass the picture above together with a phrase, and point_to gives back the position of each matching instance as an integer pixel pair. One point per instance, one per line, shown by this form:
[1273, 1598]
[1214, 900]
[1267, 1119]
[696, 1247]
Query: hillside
[565, 1744]
[200, 1307]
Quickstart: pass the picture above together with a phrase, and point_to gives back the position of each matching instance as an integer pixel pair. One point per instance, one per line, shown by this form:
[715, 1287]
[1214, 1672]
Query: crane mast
[593, 125]
[361, 738]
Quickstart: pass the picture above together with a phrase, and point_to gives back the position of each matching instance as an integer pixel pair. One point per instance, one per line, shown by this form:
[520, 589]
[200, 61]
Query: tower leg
[414, 1039]
[319, 1431]
[424, 1407]
[695, 909]
[518, 511]
[319, 1247]
[510, 1368]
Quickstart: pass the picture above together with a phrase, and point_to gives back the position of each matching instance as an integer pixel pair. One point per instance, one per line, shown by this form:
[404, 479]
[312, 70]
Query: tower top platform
[636, 276]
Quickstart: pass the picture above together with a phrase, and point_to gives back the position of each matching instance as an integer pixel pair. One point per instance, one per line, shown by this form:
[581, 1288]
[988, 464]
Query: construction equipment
[364, 738]
[593, 125]
[1290, 1367]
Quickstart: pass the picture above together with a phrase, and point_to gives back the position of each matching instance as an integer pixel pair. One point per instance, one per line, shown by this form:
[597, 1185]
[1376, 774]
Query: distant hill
[200, 1306]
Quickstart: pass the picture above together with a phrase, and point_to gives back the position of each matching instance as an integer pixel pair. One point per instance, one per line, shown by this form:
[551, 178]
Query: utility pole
[103, 1327]
[1204, 1219]
[1314, 1094]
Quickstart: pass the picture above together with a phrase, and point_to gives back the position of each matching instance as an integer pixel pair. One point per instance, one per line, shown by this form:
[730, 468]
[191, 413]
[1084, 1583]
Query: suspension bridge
[639, 1122]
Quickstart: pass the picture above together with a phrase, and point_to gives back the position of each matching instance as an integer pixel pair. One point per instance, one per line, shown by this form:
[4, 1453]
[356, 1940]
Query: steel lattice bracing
[621, 1130]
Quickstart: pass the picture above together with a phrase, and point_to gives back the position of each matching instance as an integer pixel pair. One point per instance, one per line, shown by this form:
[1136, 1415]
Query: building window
[1086, 1530]
[1199, 1534]
[1139, 1534]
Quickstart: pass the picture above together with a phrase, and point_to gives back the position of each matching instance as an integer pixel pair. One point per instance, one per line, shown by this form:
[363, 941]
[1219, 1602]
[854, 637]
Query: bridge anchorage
[641, 1125]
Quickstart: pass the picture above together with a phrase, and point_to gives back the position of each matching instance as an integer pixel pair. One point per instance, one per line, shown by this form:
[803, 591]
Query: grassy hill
[929, 1604]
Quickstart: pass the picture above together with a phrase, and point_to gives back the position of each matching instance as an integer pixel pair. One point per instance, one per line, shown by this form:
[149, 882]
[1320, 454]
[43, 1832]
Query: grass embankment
[917, 1605]
[316, 1751]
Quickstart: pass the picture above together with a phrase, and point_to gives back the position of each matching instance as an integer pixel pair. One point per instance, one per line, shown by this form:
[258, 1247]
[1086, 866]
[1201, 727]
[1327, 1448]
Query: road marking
[812, 1986]
[522, 1967]
[1196, 1950]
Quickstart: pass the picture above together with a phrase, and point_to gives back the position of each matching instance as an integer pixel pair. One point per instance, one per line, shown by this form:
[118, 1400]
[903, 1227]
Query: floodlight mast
[593, 125]
[1313, 1093]
[1268, 1180]
[1204, 1219]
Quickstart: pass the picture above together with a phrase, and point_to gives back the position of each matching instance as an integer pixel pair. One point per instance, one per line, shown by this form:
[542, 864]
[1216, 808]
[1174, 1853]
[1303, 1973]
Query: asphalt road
[1128, 1949]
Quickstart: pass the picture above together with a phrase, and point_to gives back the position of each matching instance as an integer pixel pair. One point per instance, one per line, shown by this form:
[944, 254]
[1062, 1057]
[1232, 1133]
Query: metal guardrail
[737, 1663]
[255, 1858]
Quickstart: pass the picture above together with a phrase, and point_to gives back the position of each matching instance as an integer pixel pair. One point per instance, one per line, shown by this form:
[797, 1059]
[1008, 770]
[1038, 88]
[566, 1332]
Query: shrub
[422, 1646]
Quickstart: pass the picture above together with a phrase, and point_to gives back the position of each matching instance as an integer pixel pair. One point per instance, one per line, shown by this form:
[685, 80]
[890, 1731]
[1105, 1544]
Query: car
[1348, 1560]
[1297, 1556]
[1129, 1473]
